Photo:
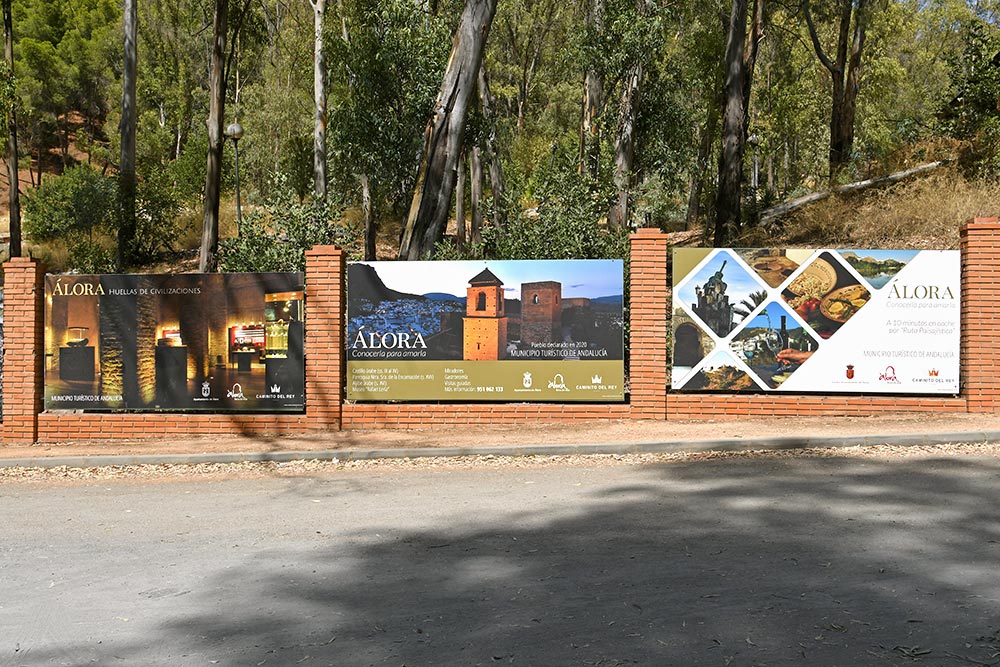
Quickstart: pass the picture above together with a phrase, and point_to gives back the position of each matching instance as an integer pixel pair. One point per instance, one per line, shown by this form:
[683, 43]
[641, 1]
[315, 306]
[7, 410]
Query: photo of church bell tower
[485, 322]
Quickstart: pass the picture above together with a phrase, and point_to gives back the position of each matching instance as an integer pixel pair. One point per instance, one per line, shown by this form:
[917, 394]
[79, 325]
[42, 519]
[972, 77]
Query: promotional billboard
[491, 331]
[207, 342]
[832, 321]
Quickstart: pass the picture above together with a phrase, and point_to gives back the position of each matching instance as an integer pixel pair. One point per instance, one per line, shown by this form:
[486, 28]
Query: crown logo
[275, 389]
[597, 379]
[933, 372]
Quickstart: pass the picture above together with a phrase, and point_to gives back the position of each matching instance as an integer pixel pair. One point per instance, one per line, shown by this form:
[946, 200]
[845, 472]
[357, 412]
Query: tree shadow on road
[821, 561]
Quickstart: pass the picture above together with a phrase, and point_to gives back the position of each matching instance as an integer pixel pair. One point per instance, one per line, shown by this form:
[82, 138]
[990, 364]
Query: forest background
[490, 128]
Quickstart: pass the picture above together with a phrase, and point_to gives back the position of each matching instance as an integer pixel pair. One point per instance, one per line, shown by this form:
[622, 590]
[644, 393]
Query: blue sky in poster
[770, 318]
[590, 278]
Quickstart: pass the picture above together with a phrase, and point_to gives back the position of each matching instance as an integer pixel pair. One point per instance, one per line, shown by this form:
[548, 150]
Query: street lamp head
[234, 131]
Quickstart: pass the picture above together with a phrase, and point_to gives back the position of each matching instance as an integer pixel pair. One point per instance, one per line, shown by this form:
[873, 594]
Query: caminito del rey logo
[933, 372]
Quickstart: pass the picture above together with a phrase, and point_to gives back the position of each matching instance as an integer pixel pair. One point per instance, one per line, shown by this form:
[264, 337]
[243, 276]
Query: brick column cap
[318, 250]
[648, 232]
[22, 260]
[979, 225]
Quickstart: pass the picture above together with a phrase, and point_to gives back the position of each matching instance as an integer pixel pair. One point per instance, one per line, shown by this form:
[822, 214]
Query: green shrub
[156, 209]
[567, 224]
[81, 209]
[77, 208]
[275, 236]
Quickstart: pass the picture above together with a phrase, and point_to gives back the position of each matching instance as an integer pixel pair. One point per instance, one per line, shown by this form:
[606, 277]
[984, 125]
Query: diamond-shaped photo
[691, 344]
[715, 291]
[878, 267]
[774, 265]
[721, 373]
[773, 344]
[825, 294]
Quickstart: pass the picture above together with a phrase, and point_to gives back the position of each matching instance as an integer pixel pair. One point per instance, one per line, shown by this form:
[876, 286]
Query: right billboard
[830, 321]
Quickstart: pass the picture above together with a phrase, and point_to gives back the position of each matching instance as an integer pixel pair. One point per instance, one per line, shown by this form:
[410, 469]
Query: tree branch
[823, 58]
[784, 208]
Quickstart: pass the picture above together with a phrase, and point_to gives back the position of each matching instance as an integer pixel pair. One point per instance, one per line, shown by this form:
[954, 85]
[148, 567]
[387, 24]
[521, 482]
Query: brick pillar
[23, 379]
[649, 314]
[980, 351]
[326, 270]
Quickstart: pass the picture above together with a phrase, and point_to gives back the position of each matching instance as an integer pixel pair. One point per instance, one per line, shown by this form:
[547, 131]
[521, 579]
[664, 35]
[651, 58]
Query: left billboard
[212, 342]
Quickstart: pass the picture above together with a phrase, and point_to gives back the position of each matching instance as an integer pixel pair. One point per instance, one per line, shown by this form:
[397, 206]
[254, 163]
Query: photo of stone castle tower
[541, 312]
[485, 323]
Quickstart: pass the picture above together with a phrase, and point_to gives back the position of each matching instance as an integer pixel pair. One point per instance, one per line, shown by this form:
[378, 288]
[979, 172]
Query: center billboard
[486, 331]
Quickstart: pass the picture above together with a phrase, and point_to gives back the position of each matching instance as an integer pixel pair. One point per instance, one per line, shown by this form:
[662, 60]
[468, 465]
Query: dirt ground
[974, 426]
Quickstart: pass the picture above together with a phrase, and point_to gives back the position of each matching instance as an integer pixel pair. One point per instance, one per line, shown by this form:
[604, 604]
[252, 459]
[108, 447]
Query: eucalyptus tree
[126, 169]
[641, 44]
[739, 62]
[852, 19]
[593, 91]
[445, 131]
[172, 77]
[319, 101]
[13, 183]
[384, 71]
[218, 77]
[528, 34]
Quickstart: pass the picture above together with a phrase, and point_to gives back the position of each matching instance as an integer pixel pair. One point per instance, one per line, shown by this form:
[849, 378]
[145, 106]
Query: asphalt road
[823, 562]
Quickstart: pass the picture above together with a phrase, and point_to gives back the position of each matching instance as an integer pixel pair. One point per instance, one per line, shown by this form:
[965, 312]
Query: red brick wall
[648, 365]
[326, 267]
[649, 314]
[23, 349]
[980, 243]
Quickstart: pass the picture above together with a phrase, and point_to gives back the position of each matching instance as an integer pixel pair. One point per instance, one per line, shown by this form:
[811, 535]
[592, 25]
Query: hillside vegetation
[492, 128]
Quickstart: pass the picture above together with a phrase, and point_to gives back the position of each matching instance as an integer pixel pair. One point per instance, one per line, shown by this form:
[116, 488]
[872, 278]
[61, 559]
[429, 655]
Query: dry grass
[924, 213]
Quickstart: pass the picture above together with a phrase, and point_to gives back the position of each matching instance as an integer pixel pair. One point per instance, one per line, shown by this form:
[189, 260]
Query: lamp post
[235, 132]
[754, 141]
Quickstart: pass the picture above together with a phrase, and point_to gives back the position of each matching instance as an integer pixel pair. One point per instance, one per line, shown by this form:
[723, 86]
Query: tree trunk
[618, 216]
[497, 182]
[727, 202]
[593, 100]
[476, 195]
[216, 111]
[368, 215]
[319, 99]
[845, 75]
[12, 177]
[460, 203]
[444, 134]
[701, 167]
[126, 173]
